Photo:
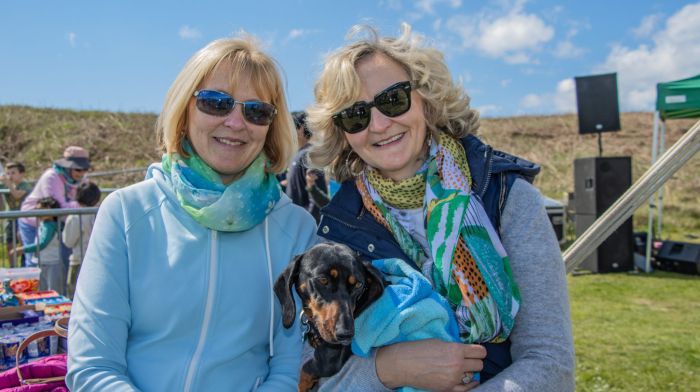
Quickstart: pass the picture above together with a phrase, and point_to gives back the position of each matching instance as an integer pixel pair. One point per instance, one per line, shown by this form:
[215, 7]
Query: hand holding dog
[429, 364]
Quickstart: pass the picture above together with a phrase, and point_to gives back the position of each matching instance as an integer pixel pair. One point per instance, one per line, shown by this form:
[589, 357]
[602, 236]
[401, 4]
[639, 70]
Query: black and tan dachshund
[335, 285]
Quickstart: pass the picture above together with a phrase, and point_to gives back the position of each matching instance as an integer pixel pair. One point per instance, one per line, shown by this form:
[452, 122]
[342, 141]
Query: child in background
[18, 189]
[76, 232]
[47, 250]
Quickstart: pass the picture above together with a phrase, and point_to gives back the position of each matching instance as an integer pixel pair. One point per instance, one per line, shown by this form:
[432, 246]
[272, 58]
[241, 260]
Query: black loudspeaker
[679, 257]
[598, 183]
[597, 103]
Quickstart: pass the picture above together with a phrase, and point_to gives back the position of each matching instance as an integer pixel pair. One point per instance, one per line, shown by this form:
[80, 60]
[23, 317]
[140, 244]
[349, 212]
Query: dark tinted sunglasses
[221, 104]
[393, 101]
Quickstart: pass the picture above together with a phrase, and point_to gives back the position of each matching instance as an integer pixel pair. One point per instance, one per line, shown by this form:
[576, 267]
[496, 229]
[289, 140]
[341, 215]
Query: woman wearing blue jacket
[175, 292]
[395, 129]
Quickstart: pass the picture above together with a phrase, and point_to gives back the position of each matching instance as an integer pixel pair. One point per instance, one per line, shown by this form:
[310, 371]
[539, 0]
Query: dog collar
[309, 332]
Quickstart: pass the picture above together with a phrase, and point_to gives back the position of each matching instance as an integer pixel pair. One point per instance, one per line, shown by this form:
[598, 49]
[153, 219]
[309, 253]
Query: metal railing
[12, 217]
[116, 171]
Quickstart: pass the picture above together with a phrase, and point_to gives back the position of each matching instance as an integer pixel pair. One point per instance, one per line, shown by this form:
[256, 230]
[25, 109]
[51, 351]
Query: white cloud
[513, 37]
[71, 37]
[295, 33]
[674, 54]
[187, 32]
[506, 82]
[488, 110]
[565, 97]
[465, 77]
[425, 5]
[567, 50]
[298, 33]
[647, 26]
[563, 100]
[391, 4]
[428, 6]
[531, 101]
[513, 34]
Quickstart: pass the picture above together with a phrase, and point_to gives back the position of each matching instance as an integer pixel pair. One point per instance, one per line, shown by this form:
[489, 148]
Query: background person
[47, 250]
[418, 185]
[61, 183]
[175, 291]
[296, 173]
[18, 188]
[77, 230]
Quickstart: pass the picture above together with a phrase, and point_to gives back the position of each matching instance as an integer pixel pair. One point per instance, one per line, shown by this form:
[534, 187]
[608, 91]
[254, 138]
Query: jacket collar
[484, 162]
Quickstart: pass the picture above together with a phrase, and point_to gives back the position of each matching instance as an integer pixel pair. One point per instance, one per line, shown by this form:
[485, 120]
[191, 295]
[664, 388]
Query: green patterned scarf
[238, 206]
[470, 266]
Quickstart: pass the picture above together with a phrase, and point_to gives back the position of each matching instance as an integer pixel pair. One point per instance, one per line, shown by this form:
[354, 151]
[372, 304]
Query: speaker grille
[597, 103]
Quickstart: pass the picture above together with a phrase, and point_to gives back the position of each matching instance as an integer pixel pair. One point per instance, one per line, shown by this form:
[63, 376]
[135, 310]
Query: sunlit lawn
[636, 332]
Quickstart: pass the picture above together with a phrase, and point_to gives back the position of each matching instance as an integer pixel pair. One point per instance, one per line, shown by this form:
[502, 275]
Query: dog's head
[334, 285]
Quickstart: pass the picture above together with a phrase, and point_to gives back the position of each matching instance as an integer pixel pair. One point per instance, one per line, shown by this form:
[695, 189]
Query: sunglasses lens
[259, 113]
[394, 101]
[353, 119]
[214, 102]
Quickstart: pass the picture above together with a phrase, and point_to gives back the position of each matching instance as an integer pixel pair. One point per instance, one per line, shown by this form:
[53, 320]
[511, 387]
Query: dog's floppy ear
[374, 289]
[283, 290]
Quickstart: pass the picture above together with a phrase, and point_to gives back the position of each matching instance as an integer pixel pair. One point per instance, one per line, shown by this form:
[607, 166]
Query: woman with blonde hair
[175, 291]
[418, 185]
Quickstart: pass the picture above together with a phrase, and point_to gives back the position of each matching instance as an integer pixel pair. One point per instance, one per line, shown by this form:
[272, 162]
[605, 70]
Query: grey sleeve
[542, 344]
[358, 374]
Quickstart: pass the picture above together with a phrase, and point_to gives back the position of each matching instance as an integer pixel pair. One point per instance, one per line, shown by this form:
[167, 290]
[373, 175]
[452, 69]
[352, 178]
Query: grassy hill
[37, 136]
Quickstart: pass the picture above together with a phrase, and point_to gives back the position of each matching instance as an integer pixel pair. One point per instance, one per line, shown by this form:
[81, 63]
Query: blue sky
[513, 56]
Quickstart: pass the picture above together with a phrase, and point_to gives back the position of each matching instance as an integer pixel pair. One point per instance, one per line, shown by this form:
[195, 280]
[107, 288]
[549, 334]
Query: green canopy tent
[677, 99]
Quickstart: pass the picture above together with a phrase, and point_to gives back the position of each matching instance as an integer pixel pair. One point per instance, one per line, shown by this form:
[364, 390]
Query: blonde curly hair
[246, 60]
[446, 104]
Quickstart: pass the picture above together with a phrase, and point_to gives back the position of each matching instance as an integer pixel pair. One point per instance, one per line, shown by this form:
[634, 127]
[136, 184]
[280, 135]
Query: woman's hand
[311, 178]
[429, 364]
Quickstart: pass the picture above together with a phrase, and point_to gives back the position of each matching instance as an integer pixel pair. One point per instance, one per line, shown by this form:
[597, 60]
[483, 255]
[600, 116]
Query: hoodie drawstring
[272, 293]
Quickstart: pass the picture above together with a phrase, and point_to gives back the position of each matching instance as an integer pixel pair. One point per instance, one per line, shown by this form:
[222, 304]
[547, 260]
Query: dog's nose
[344, 337]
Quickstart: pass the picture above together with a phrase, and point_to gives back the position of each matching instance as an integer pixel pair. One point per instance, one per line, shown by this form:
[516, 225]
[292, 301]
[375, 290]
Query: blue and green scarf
[470, 266]
[238, 206]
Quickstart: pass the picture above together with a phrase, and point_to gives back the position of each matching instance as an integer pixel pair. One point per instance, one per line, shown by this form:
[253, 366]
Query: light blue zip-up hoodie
[164, 304]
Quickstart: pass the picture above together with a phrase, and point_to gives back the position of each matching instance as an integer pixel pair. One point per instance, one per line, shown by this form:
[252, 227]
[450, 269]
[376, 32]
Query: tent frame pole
[652, 205]
[660, 193]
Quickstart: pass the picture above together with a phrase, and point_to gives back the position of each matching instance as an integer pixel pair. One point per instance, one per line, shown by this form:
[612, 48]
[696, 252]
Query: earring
[348, 164]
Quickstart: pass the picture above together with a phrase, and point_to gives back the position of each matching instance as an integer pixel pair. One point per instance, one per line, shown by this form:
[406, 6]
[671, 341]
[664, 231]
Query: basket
[60, 329]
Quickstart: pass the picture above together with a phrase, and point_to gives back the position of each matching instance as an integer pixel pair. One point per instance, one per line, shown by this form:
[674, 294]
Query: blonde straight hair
[247, 61]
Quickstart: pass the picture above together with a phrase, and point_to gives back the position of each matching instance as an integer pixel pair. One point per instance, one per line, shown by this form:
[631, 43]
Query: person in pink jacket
[61, 182]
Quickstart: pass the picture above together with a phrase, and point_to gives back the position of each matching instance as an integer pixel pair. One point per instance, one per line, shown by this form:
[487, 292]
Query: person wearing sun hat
[60, 181]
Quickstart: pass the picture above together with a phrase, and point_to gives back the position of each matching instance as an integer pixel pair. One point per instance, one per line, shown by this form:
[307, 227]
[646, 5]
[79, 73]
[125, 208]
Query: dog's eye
[359, 285]
[323, 281]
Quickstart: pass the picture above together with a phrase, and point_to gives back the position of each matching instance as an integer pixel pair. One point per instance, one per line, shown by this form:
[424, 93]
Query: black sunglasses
[393, 101]
[220, 104]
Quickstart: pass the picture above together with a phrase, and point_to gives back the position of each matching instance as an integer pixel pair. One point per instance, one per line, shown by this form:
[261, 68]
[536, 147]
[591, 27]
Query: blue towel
[409, 309]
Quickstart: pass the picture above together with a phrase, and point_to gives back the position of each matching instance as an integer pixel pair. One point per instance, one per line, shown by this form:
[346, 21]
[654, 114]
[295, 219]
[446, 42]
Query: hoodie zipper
[211, 286]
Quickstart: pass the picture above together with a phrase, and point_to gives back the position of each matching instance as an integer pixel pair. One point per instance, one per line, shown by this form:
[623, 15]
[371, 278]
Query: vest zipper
[489, 171]
[211, 286]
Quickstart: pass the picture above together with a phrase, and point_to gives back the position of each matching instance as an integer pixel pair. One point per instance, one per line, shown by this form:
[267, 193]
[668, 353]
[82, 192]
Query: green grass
[636, 332]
